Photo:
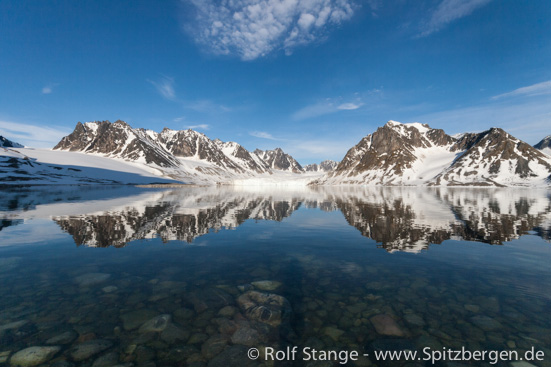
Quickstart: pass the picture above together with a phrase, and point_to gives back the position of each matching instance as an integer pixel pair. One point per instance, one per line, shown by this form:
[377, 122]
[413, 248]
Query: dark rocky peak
[544, 143]
[116, 139]
[325, 166]
[278, 159]
[328, 165]
[5, 143]
[493, 155]
[190, 143]
[311, 168]
[242, 156]
[392, 147]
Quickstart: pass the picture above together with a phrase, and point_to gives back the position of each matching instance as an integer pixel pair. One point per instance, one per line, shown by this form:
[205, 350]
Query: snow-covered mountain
[118, 140]
[5, 143]
[544, 145]
[395, 155]
[278, 159]
[414, 154]
[325, 166]
[27, 166]
[184, 155]
[496, 158]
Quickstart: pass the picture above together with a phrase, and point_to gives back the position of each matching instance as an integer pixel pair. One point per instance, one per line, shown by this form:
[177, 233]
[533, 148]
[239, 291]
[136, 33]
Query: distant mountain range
[395, 155]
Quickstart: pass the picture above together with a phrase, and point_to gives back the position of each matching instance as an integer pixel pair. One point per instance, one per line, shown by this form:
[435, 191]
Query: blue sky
[312, 77]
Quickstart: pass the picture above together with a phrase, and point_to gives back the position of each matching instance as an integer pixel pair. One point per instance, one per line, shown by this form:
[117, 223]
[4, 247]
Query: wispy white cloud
[205, 105]
[48, 89]
[32, 135]
[324, 108]
[253, 28]
[263, 135]
[349, 106]
[200, 127]
[165, 87]
[448, 11]
[531, 90]
[314, 110]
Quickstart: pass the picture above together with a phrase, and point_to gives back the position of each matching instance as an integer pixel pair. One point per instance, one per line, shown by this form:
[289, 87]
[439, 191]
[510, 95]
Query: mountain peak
[5, 143]
[544, 143]
[278, 159]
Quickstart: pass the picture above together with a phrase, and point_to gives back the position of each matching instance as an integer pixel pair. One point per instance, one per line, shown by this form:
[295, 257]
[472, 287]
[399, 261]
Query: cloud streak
[324, 108]
[48, 89]
[531, 90]
[349, 106]
[263, 135]
[165, 87]
[254, 28]
[200, 127]
[448, 11]
[32, 135]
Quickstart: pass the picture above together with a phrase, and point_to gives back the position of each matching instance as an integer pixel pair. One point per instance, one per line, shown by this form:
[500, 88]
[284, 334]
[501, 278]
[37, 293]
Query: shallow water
[148, 277]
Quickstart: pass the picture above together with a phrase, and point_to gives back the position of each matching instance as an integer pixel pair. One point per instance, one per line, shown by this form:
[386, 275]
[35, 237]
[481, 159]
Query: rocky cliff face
[415, 154]
[119, 140]
[5, 143]
[325, 166]
[544, 145]
[185, 154]
[242, 157]
[278, 159]
[496, 159]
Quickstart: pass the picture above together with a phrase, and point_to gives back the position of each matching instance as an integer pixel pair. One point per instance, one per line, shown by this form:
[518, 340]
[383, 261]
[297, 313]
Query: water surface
[151, 277]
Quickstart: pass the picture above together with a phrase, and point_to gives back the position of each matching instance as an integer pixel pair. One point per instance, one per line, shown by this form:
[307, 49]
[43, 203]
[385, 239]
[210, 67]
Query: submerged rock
[414, 319]
[64, 338]
[385, 325]
[109, 289]
[135, 319]
[89, 279]
[173, 333]
[266, 285]
[156, 324]
[235, 356]
[213, 346]
[13, 325]
[106, 360]
[522, 364]
[268, 308]
[213, 298]
[486, 323]
[333, 332]
[88, 349]
[245, 336]
[227, 311]
[245, 287]
[33, 356]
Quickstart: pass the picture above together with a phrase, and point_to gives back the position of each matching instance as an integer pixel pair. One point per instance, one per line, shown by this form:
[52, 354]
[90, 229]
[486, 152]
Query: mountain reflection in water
[400, 219]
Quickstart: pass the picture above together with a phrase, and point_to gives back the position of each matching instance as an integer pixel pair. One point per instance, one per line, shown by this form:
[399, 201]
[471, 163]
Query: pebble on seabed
[33, 356]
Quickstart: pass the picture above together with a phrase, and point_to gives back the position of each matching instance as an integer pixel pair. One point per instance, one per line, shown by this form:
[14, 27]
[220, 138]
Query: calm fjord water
[197, 276]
